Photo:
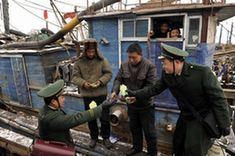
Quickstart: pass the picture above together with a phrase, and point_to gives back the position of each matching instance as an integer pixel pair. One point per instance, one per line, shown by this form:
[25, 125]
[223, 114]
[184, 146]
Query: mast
[5, 8]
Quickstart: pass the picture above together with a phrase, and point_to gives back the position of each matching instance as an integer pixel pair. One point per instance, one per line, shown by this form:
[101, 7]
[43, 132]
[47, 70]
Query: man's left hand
[225, 131]
[130, 100]
[96, 84]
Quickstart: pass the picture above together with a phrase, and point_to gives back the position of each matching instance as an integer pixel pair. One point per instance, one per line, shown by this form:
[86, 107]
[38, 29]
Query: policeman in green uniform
[193, 85]
[54, 123]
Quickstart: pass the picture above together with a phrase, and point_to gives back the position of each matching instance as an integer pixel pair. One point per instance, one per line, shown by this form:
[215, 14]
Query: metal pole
[52, 6]
[5, 7]
[220, 35]
[47, 24]
[55, 9]
[231, 33]
[227, 37]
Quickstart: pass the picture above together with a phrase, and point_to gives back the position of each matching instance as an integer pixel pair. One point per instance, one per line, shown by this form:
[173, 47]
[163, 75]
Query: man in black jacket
[138, 73]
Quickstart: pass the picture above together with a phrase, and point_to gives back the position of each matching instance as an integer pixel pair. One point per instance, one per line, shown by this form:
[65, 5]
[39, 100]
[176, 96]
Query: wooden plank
[204, 26]
[20, 81]
[230, 95]
[211, 32]
[7, 80]
[35, 71]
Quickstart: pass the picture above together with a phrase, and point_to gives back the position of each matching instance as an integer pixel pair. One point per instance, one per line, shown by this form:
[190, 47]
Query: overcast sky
[27, 15]
[22, 18]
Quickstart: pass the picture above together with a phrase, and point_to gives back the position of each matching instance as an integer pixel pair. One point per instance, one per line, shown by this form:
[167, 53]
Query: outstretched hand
[108, 103]
[131, 93]
[130, 100]
[114, 96]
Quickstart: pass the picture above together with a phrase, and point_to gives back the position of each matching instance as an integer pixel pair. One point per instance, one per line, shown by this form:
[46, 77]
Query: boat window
[167, 27]
[135, 28]
[128, 28]
[194, 31]
[141, 28]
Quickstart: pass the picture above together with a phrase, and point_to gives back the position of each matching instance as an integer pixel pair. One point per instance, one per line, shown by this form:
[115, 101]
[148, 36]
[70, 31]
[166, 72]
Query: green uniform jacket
[54, 124]
[197, 85]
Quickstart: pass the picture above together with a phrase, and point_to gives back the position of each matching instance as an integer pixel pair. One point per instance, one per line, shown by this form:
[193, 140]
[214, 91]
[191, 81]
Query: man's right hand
[108, 103]
[131, 93]
[151, 33]
[87, 85]
[113, 96]
[130, 100]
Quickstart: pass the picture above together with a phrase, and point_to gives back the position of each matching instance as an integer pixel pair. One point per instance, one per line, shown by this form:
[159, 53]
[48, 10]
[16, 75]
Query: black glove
[108, 103]
[131, 93]
[225, 131]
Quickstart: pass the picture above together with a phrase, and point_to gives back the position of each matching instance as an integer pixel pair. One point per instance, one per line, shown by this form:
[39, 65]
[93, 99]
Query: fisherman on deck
[137, 73]
[91, 74]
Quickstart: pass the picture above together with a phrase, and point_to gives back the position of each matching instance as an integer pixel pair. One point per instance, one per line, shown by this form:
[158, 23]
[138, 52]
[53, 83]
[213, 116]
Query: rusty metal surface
[118, 114]
[82, 139]
[20, 119]
[15, 143]
[20, 108]
[28, 124]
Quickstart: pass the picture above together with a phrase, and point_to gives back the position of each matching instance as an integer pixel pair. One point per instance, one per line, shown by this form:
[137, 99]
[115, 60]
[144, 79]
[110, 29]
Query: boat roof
[222, 11]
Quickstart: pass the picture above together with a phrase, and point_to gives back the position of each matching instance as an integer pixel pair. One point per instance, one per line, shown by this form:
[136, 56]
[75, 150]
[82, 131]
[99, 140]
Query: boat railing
[127, 5]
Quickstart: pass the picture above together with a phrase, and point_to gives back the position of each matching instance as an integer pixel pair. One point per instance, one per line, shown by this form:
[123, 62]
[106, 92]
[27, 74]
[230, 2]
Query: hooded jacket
[92, 70]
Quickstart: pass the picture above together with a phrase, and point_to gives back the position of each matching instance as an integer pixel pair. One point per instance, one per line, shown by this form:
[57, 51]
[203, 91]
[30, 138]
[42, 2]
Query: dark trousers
[190, 138]
[143, 121]
[93, 126]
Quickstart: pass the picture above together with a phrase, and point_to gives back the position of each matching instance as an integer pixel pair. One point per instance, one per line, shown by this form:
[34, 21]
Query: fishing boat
[27, 67]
